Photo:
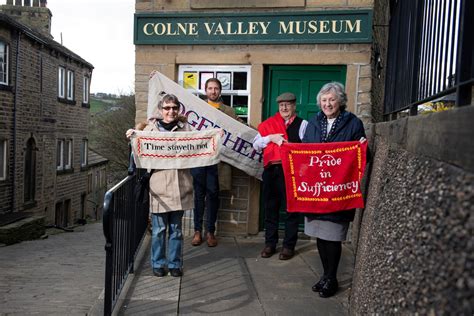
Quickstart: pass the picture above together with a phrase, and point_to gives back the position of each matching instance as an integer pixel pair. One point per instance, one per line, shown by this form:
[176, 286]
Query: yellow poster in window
[190, 80]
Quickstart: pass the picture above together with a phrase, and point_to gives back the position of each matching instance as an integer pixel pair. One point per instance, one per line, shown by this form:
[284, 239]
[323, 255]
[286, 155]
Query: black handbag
[142, 189]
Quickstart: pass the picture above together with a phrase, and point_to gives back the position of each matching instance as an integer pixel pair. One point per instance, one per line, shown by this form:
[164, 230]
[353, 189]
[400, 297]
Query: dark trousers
[274, 196]
[206, 190]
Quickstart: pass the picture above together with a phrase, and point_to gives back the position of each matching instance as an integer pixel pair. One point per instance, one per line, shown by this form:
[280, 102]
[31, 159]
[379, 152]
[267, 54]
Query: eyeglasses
[169, 108]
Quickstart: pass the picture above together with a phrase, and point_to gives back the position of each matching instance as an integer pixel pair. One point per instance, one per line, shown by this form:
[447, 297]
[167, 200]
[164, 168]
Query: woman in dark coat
[332, 124]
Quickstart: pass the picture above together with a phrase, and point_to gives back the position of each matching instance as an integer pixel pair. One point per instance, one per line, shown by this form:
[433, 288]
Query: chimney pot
[18, 2]
[9, 2]
[36, 3]
[27, 3]
[43, 3]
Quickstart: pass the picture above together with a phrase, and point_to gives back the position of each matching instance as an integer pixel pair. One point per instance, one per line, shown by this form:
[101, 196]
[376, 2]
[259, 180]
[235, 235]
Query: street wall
[415, 251]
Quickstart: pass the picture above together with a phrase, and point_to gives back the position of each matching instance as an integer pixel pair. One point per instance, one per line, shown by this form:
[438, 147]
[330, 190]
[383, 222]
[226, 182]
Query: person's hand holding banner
[277, 139]
[323, 177]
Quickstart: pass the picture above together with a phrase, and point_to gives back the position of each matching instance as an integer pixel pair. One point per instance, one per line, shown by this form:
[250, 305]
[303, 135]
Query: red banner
[324, 177]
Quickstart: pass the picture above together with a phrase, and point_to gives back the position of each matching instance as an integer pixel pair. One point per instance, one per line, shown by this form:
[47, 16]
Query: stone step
[29, 228]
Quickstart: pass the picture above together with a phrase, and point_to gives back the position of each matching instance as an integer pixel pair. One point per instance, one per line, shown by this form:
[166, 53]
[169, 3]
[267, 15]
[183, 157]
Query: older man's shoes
[267, 252]
[286, 254]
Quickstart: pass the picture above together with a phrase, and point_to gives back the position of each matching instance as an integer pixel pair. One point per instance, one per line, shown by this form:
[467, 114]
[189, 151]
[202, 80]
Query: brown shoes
[286, 254]
[197, 239]
[211, 240]
[267, 252]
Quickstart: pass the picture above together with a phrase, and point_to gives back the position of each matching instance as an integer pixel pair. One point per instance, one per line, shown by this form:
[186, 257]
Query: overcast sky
[101, 32]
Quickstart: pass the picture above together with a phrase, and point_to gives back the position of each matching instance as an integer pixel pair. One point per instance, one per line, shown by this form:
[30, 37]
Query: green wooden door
[305, 82]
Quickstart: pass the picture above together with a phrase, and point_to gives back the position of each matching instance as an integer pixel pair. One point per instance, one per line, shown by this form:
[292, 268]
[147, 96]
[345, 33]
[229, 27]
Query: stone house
[45, 164]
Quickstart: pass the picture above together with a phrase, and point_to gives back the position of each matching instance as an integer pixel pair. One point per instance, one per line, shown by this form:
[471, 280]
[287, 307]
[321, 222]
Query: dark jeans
[274, 198]
[206, 190]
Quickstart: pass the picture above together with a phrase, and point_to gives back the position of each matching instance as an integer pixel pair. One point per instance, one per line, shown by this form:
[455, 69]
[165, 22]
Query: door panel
[305, 82]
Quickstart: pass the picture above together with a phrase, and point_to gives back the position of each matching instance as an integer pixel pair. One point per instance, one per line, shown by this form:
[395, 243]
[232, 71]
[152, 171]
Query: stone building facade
[44, 96]
[260, 63]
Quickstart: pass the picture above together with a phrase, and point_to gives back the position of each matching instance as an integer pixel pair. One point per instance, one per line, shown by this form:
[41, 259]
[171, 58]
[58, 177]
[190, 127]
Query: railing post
[107, 225]
[465, 64]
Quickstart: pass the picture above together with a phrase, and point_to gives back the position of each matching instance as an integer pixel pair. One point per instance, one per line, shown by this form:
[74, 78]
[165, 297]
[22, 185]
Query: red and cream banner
[180, 150]
[323, 177]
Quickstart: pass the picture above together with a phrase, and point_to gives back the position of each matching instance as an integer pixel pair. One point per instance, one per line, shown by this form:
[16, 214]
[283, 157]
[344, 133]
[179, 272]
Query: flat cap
[286, 97]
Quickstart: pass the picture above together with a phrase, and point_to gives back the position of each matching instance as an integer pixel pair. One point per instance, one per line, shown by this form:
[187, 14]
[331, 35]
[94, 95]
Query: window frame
[84, 153]
[61, 82]
[220, 69]
[85, 90]
[68, 146]
[4, 80]
[29, 178]
[59, 154]
[3, 153]
[70, 85]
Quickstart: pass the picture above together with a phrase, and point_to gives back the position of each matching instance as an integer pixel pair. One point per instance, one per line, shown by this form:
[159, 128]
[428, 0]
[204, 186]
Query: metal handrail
[429, 54]
[124, 226]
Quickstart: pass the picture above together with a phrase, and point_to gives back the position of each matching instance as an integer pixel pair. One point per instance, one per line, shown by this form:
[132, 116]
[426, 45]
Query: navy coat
[349, 129]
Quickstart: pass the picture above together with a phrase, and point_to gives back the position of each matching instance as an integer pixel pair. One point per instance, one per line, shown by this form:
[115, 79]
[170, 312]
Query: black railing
[124, 224]
[430, 53]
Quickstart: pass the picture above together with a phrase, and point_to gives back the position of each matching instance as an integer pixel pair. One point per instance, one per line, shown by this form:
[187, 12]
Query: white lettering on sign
[317, 187]
[324, 161]
[239, 28]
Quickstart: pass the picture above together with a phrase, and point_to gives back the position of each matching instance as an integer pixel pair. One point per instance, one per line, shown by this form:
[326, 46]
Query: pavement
[64, 275]
[60, 275]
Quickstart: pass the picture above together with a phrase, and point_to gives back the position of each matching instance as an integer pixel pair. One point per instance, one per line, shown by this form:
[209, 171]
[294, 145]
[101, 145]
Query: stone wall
[416, 248]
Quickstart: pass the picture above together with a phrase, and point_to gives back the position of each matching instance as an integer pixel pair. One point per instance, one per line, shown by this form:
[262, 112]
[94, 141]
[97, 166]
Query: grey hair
[168, 98]
[338, 89]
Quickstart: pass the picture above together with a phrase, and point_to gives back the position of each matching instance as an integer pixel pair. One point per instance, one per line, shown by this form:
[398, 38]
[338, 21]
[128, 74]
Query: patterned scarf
[326, 135]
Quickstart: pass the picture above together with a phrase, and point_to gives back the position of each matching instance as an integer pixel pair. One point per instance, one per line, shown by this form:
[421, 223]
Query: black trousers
[274, 196]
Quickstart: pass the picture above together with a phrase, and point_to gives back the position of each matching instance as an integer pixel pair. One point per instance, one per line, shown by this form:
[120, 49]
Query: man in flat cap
[284, 126]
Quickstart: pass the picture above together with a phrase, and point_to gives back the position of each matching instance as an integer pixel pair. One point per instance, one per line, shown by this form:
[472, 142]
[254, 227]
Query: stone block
[143, 7]
[365, 71]
[325, 3]
[363, 97]
[232, 229]
[365, 84]
[233, 4]
[234, 204]
[358, 47]
[26, 229]
[361, 3]
[446, 136]
[328, 47]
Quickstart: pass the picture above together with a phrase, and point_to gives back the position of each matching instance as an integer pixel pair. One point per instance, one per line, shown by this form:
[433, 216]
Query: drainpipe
[15, 101]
